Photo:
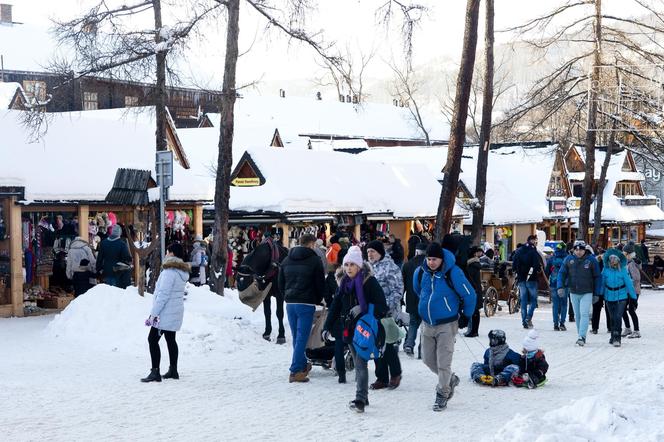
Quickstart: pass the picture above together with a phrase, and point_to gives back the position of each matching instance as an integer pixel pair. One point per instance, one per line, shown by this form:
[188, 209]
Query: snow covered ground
[75, 377]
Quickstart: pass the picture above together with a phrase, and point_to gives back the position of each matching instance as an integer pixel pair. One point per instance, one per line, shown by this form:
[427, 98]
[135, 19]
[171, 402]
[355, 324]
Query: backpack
[365, 337]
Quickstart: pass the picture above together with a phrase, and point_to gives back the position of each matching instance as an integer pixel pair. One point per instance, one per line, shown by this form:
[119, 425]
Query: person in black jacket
[113, 250]
[396, 252]
[473, 268]
[302, 283]
[412, 299]
[528, 265]
[357, 289]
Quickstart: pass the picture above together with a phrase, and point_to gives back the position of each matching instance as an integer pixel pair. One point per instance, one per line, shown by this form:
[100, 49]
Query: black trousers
[616, 308]
[155, 351]
[631, 309]
[475, 322]
[389, 365]
[597, 313]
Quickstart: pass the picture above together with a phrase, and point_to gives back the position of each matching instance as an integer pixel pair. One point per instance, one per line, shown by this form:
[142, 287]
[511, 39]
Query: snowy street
[76, 377]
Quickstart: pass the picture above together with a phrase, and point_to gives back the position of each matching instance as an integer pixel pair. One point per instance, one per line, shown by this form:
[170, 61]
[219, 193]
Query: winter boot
[378, 385]
[616, 342]
[556, 327]
[281, 340]
[499, 381]
[486, 379]
[154, 376]
[357, 405]
[530, 323]
[409, 351]
[581, 342]
[528, 382]
[395, 381]
[562, 327]
[454, 381]
[300, 376]
[593, 331]
[342, 378]
[172, 373]
[441, 402]
[635, 334]
[626, 332]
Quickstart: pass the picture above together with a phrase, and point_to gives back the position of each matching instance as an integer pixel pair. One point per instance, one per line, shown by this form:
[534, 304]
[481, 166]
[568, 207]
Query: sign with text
[246, 182]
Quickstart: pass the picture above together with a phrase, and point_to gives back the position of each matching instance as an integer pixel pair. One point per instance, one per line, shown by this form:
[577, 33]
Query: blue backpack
[365, 338]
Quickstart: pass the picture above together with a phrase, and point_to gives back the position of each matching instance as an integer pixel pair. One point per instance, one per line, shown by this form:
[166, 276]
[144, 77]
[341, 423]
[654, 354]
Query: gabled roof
[12, 96]
[130, 187]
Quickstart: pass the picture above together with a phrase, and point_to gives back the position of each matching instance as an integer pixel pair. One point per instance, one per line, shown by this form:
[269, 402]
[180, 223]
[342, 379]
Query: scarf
[497, 355]
[356, 284]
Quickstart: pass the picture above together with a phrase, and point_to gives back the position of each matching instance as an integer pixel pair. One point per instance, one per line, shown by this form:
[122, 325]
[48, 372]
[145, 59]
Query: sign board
[246, 182]
[164, 168]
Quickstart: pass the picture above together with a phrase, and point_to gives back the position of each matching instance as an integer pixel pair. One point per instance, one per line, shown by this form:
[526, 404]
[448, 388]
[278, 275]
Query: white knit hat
[354, 255]
[531, 341]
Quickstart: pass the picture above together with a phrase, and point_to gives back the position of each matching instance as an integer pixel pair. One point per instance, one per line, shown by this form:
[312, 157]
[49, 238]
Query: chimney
[395, 102]
[6, 13]
[282, 93]
[342, 98]
[347, 98]
[355, 99]
[319, 96]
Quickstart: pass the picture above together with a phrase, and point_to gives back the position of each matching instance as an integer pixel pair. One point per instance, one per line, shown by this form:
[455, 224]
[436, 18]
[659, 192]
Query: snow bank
[112, 318]
[606, 417]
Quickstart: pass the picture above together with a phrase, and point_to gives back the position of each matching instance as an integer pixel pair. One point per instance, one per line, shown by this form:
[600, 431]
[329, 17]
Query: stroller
[321, 353]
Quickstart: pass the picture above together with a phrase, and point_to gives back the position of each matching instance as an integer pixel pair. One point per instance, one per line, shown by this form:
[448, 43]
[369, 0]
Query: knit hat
[473, 250]
[378, 247]
[116, 231]
[629, 248]
[531, 341]
[421, 246]
[434, 250]
[354, 255]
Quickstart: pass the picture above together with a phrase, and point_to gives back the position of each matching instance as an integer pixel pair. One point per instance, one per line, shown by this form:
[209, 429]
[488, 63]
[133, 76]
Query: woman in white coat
[167, 312]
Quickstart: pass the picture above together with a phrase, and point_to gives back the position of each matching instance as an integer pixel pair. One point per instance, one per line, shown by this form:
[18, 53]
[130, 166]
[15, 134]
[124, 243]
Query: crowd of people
[365, 290]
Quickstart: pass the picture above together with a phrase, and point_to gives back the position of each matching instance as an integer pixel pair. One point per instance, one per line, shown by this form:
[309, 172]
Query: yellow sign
[246, 182]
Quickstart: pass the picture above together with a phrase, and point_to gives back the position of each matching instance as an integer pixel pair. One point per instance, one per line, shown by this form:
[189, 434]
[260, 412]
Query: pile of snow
[631, 411]
[113, 319]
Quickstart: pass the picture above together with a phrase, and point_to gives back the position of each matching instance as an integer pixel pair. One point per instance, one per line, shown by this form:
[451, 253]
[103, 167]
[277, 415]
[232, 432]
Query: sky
[272, 59]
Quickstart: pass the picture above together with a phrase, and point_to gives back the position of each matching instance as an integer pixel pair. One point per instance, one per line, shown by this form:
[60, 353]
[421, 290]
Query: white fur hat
[531, 341]
[354, 255]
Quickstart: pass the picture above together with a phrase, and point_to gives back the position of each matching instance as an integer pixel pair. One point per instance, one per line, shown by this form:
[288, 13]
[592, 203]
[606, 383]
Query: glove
[463, 321]
[355, 312]
[595, 299]
[326, 336]
[561, 293]
[148, 322]
[635, 303]
[152, 321]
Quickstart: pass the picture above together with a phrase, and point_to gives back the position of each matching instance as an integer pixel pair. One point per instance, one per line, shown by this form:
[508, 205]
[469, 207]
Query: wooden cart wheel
[490, 301]
[514, 301]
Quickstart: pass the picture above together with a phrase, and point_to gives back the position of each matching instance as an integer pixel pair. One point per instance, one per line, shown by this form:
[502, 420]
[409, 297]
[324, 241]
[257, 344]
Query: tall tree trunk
[225, 158]
[160, 88]
[591, 134]
[485, 131]
[599, 199]
[459, 116]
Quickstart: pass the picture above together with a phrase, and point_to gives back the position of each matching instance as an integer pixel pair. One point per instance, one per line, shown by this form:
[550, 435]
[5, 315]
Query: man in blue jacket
[443, 291]
[580, 274]
[528, 265]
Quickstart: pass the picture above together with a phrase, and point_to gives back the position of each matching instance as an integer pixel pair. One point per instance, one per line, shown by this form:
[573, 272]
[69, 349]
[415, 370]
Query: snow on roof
[32, 47]
[508, 199]
[78, 156]
[307, 116]
[7, 93]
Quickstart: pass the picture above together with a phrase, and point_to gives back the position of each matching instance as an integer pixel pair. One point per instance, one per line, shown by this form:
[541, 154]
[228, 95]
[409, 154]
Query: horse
[257, 270]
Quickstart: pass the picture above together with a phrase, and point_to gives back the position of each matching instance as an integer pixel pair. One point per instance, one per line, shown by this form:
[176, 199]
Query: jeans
[111, 280]
[361, 376]
[616, 310]
[413, 327]
[437, 352]
[559, 307]
[300, 319]
[478, 369]
[389, 365]
[528, 292]
[581, 304]
[597, 314]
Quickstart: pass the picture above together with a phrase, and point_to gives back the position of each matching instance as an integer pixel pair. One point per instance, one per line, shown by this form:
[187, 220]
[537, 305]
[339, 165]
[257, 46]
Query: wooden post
[490, 234]
[401, 230]
[514, 239]
[16, 257]
[357, 232]
[198, 220]
[328, 231]
[569, 230]
[83, 215]
[285, 240]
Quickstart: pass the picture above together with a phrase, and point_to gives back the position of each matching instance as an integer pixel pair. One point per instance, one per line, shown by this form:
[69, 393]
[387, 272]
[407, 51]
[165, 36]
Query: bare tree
[485, 134]
[405, 88]
[457, 131]
[346, 73]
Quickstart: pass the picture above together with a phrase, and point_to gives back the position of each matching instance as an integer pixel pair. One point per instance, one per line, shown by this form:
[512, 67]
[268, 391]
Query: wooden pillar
[514, 238]
[16, 257]
[285, 240]
[328, 234]
[401, 230]
[135, 256]
[569, 230]
[198, 220]
[357, 231]
[490, 234]
[83, 215]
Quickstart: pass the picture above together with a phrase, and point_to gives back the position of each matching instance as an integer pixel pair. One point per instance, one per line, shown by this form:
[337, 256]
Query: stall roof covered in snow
[508, 199]
[77, 157]
[259, 116]
[8, 92]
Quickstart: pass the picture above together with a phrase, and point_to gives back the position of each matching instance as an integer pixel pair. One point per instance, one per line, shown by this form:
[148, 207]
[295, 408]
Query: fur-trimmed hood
[173, 262]
[366, 268]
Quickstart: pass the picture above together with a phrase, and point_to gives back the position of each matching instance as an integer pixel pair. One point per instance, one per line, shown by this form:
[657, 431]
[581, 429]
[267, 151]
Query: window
[577, 190]
[90, 101]
[556, 187]
[626, 189]
[35, 89]
[131, 101]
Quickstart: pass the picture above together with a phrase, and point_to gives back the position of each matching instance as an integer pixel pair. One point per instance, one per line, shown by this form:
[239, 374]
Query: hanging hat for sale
[377, 246]
[434, 250]
[354, 255]
[531, 341]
